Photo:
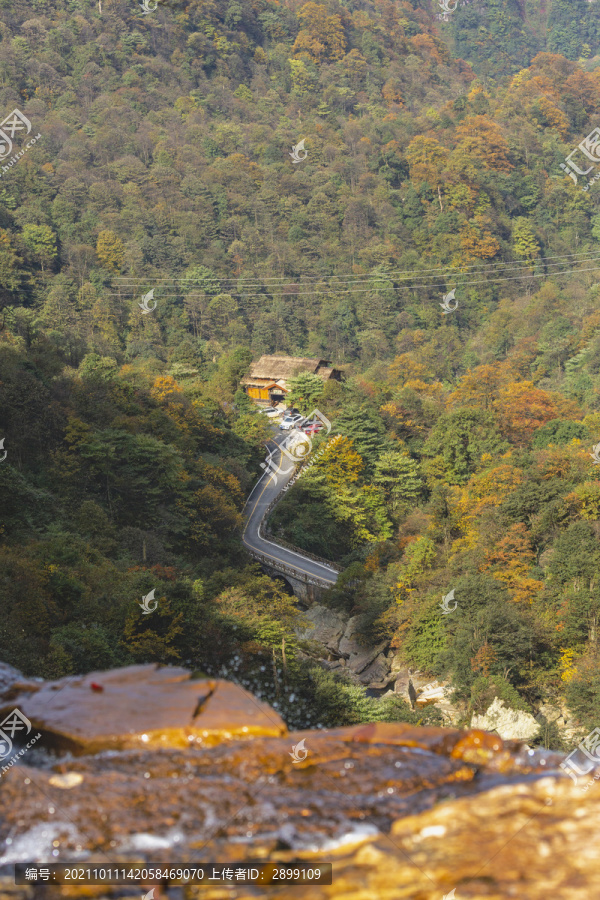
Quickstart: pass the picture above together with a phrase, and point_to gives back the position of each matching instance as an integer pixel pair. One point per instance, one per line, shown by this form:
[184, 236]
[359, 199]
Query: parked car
[313, 429]
[311, 423]
[271, 411]
[290, 422]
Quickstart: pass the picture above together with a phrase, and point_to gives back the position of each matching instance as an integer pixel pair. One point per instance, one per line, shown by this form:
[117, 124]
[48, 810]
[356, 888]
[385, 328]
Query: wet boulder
[142, 706]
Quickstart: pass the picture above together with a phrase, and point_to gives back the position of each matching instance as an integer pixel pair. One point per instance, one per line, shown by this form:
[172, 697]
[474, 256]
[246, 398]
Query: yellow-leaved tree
[525, 244]
[321, 36]
[110, 250]
[427, 160]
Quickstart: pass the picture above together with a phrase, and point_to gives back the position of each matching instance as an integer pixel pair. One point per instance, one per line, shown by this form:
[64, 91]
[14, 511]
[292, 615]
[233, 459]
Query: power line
[275, 292]
[375, 279]
[583, 255]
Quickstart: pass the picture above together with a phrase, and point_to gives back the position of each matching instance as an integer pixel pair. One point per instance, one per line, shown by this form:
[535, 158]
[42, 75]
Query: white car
[271, 412]
[290, 422]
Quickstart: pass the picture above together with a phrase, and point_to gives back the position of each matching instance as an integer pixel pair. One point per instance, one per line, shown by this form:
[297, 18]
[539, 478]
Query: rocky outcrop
[432, 693]
[344, 650]
[561, 716]
[340, 648]
[147, 705]
[394, 807]
[359, 657]
[435, 693]
[377, 673]
[510, 724]
[327, 627]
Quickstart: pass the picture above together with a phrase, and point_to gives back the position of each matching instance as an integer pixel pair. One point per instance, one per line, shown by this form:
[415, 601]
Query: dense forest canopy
[434, 147]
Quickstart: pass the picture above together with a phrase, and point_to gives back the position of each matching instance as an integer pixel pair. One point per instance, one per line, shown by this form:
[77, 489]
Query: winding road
[262, 495]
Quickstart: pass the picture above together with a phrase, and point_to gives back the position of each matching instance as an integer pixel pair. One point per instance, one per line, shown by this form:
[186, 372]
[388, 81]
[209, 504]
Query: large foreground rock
[510, 724]
[402, 812]
[137, 706]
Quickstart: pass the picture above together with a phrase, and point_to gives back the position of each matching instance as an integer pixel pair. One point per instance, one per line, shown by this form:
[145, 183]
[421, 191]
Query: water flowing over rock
[401, 811]
[13, 683]
[8, 675]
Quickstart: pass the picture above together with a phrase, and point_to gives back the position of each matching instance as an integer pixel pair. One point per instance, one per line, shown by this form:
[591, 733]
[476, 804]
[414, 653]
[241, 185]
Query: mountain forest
[431, 165]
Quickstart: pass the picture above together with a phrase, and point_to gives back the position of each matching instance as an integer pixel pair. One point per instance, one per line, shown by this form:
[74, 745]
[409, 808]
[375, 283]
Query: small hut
[267, 380]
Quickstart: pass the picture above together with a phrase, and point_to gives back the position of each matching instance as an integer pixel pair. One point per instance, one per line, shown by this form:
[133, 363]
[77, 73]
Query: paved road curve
[263, 493]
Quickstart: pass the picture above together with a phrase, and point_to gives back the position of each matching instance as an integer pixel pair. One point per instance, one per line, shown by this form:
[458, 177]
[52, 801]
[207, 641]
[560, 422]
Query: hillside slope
[165, 165]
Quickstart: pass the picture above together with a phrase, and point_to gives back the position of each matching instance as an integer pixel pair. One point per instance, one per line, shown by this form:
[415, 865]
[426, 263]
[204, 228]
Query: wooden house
[267, 379]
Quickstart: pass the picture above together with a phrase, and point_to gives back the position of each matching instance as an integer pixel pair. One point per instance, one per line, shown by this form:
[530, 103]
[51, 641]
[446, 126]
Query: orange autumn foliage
[509, 562]
[490, 487]
[484, 490]
[484, 659]
[404, 367]
[570, 462]
[479, 386]
[481, 139]
[401, 421]
[521, 408]
[477, 243]
[427, 47]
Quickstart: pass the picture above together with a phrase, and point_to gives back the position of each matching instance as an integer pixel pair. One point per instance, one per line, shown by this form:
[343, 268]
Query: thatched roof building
[268, 377]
